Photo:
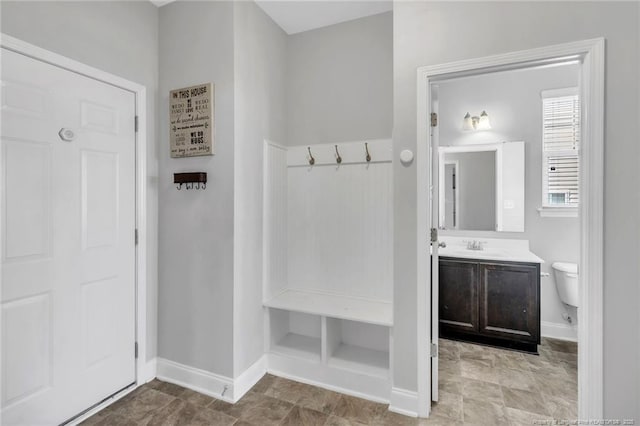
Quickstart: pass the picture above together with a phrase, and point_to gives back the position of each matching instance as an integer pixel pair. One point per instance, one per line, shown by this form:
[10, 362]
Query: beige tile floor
[479, 385]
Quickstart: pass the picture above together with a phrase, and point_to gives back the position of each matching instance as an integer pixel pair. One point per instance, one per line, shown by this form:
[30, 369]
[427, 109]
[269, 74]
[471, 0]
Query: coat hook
[366, 148]
[179, 186]
[312, 160]
[204, 185]
[338, 158]
[198, 185]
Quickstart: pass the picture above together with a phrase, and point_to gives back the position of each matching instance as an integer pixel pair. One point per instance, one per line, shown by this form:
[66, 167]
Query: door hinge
[135, 236]
[434, 119]
[136, 350]
[434, 235]
[136, 123]
[434, 350]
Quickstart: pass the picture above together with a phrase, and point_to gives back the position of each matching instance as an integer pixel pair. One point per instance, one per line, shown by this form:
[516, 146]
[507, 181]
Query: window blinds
[561, 144]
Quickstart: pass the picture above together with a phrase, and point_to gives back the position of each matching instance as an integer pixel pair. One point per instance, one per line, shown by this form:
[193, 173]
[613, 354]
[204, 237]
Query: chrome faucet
[475, 245]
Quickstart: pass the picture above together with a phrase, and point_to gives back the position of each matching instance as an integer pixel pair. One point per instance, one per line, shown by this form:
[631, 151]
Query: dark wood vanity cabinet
[490, 302]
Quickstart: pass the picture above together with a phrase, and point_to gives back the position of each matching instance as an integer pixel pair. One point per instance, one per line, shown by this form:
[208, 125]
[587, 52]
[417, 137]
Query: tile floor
[479, 385]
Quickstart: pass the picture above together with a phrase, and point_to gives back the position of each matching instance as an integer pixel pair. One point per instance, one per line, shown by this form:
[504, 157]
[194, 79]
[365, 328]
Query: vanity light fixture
[475, 122]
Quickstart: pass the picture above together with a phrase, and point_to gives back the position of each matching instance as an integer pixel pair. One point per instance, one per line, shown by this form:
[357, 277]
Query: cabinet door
[510, 301]
[458, 295]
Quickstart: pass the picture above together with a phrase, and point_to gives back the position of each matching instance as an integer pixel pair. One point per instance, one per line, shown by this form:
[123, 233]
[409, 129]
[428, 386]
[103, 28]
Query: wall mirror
[481, 187]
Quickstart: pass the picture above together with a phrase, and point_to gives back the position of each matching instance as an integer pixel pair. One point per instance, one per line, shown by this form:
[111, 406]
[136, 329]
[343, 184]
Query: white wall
[119, 38]
[429, 33]
[340, 82]
[259, 111]
[512, 100]
[196, 228]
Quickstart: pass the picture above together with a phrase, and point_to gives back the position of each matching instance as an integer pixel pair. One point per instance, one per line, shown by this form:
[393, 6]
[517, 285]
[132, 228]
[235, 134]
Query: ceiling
[295, 16]
[303, 15]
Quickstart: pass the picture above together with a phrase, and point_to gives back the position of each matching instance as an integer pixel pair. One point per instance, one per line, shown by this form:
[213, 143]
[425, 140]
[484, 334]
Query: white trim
[558, 93]
[590, 350]
[559, 331]
[150, 371]
[245, 381]
[547, 211]
[140, 91]
[404, 402]
[215, 385]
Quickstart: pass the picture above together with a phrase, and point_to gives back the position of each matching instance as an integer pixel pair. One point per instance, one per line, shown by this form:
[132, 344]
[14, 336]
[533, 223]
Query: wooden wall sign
[191, 121]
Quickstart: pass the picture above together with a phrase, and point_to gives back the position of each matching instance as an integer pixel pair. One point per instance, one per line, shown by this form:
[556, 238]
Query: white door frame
[144, 370]
[590, 330]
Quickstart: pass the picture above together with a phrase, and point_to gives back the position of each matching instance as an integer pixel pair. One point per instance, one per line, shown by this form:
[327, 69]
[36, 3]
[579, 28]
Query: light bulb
[484, 123]
[467, 123]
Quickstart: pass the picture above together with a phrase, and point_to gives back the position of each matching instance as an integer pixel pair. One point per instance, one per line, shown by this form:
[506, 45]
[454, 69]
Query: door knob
[442, 244]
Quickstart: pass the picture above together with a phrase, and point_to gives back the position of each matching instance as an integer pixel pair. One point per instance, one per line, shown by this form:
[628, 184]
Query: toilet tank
[566, 277]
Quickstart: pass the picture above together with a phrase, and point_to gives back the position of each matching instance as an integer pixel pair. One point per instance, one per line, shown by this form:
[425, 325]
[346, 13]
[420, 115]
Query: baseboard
[248, 378]
[559, 331]
[202, 381]
[404, 402]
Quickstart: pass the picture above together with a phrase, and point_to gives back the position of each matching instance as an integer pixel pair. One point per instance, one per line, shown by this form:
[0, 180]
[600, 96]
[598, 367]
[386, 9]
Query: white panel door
[68, 259]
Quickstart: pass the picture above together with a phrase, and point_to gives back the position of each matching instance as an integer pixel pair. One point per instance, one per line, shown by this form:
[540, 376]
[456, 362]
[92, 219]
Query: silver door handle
[442, 244]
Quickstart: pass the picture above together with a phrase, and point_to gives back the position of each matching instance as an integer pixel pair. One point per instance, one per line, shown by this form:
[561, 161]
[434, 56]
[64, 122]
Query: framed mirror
[481, 187]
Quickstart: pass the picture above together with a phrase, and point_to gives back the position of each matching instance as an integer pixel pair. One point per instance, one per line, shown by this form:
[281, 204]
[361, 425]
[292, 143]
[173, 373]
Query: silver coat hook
[366, 148]
[338, 158]
[312, 160]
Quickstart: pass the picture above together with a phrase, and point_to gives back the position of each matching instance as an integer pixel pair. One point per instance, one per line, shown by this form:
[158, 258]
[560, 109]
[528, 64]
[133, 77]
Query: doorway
[590, 54]
[69, 208]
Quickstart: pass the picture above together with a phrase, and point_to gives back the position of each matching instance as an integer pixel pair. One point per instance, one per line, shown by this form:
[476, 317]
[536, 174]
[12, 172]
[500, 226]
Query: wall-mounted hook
[366, 148]
[189, 180]
[312, 160]
[338, 158]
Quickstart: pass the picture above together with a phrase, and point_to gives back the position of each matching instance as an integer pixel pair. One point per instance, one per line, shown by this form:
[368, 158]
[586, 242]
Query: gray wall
[196, 227]
[512, 100]
[340, 82]
[117, 37]
[260, 79]
[477, 189]
[420, 32]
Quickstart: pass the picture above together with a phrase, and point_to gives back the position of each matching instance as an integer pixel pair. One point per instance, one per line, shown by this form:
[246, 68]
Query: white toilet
[566, 275]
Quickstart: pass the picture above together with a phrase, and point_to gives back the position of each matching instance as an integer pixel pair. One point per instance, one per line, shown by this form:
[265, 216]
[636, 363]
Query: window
[560, 151]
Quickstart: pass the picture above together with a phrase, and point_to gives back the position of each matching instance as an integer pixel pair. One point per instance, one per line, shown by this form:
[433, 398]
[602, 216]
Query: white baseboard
[202, 381]
[404, 402]
[559, 331]
[248, 378]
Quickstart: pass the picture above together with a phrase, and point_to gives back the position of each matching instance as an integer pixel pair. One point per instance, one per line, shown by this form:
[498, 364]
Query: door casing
[145, 371]
[591, 211]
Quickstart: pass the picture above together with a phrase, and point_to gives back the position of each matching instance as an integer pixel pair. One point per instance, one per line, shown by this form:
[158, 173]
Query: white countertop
[493, 249]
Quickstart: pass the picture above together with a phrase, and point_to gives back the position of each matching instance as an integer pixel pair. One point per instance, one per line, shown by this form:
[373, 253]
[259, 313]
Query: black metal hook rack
[197, 180]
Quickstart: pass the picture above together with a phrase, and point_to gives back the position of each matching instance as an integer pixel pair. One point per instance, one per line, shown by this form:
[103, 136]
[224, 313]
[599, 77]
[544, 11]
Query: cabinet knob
[524, 310]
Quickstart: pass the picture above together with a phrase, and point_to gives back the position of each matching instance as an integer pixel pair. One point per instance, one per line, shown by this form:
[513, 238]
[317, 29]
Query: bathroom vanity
[491, 296]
